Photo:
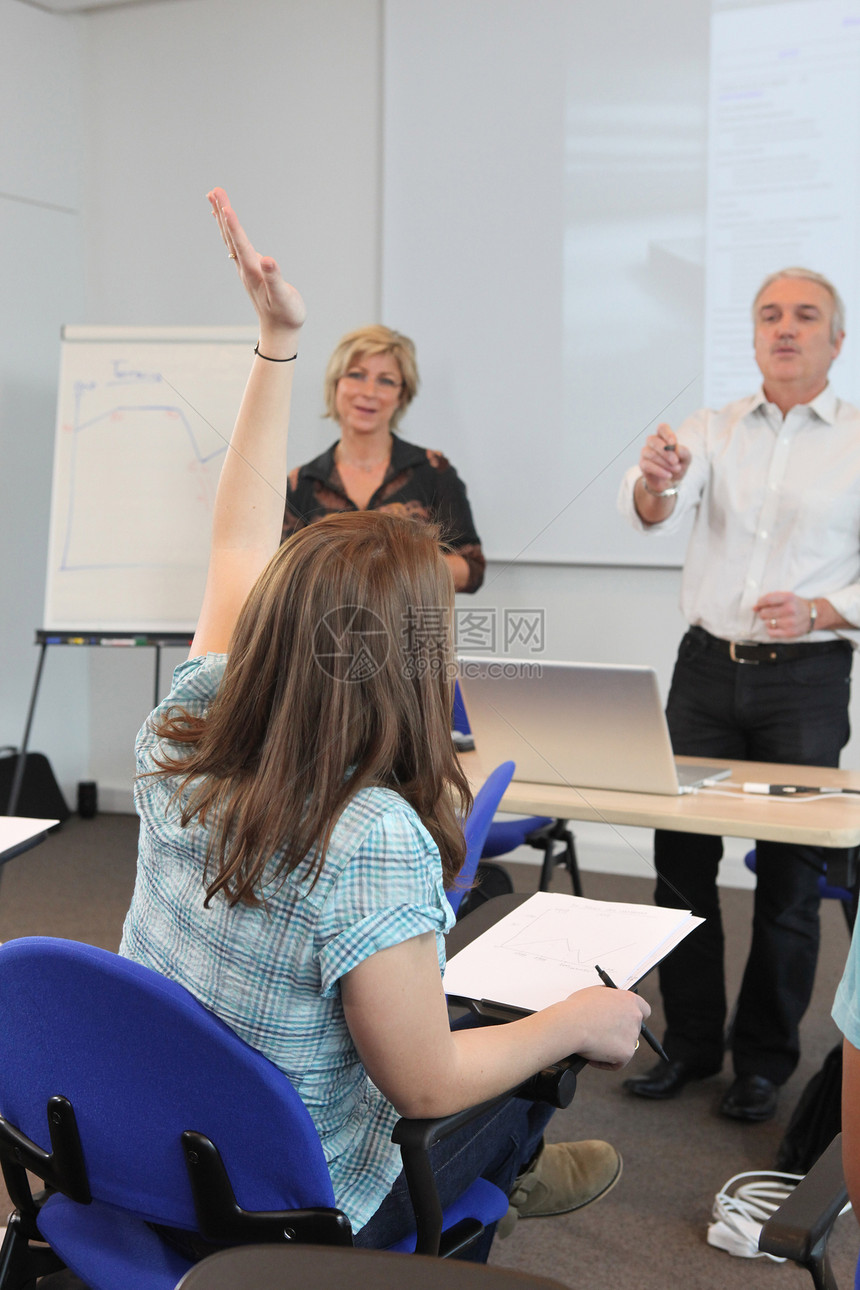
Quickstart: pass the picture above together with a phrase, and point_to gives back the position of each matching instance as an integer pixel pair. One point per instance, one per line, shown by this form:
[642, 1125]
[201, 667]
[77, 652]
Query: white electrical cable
[741, 1209]
[740, 795]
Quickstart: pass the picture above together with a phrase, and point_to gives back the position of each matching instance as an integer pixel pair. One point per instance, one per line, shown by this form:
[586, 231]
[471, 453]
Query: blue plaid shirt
[272, 973]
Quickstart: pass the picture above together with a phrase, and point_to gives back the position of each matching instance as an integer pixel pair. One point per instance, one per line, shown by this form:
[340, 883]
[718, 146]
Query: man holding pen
[771, 579]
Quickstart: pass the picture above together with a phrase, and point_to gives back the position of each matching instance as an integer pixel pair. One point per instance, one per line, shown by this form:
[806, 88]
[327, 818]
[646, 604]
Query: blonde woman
[371, 379]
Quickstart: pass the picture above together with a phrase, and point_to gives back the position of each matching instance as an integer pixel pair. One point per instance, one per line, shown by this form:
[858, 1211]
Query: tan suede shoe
[564, 1176]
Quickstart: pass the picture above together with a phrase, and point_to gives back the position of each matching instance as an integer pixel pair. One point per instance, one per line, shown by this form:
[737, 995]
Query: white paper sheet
[551, 946]
[15, 829]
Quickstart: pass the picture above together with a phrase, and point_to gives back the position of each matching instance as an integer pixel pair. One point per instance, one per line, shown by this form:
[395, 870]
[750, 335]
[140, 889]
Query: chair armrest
[800, 1227]
[549, 1085]
[556, 1085]
[415, 1138]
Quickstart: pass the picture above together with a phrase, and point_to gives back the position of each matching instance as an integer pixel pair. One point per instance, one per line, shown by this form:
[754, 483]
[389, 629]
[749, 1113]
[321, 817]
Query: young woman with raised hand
[299, 800]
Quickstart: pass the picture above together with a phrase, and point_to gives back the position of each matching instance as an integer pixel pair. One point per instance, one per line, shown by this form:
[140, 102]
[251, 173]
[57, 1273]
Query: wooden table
[724, 810]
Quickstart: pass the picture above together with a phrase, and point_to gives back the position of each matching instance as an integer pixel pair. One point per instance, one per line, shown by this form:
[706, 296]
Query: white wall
[43, 287]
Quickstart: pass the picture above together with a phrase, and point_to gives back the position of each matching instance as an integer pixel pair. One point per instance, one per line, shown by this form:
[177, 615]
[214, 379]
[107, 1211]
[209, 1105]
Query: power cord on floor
[742, 1207]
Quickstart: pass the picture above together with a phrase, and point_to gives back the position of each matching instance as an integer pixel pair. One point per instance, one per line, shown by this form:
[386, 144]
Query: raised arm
[249, 504]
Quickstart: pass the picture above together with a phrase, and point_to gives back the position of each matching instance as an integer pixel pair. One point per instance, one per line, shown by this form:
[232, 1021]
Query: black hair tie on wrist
[274, 360]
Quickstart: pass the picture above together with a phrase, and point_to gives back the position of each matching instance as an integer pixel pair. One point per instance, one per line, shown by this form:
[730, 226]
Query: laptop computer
[587, 725]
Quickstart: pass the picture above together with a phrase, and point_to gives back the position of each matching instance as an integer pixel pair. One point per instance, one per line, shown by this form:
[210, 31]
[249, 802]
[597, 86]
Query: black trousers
[791, 711]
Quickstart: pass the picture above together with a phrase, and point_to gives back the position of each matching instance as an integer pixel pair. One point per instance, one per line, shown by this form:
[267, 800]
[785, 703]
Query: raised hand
[279, 306]
[249, 503]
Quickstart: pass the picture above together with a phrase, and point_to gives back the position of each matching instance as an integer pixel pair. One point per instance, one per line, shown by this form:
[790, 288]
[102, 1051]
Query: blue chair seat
[506, 835]
[826, 890]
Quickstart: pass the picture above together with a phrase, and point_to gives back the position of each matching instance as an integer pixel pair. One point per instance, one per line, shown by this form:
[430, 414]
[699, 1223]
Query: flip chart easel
[111, 639]
[144, 416]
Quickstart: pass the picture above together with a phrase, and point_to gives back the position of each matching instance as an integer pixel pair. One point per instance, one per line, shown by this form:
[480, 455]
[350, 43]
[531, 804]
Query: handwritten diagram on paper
[142, 429]
[550, 946]
[552, 937]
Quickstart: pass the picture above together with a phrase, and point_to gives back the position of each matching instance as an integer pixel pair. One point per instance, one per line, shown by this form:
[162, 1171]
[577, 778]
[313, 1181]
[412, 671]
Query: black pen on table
[646, 1033]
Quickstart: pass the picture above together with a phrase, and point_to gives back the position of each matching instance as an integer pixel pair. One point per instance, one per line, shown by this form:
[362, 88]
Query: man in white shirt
[770, 581]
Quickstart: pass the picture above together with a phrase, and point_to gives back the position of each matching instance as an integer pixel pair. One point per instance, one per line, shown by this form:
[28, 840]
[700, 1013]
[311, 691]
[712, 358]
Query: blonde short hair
[837, 322]
[366, 342]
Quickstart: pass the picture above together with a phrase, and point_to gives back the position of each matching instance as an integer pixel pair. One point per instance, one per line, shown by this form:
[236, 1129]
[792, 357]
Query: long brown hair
[338, 677]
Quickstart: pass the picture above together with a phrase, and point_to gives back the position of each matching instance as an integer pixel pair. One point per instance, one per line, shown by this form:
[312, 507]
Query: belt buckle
[734, 645]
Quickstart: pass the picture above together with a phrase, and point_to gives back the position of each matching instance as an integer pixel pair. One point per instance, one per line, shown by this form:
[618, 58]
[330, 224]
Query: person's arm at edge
[249, 503]
[459, 570]
[851, 1122]
[395, 1008]
[465, 579]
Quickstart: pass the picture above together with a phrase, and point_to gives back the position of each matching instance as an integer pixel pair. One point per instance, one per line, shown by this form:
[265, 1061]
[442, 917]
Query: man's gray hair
[837, 322]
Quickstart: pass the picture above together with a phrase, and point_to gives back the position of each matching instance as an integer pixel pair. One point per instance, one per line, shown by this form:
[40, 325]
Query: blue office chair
[477, 827]
[137, 1106]
[826, 890]
[539, 831]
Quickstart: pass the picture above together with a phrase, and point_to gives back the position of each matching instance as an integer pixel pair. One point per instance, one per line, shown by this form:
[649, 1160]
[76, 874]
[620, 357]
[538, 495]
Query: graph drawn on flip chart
[143, 419]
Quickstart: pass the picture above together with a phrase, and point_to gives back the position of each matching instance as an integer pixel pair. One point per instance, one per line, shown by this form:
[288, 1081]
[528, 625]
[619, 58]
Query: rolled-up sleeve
[390, 891]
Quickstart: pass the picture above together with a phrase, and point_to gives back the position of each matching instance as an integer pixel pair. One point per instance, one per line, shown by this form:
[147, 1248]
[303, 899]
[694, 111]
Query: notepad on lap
[550, 945]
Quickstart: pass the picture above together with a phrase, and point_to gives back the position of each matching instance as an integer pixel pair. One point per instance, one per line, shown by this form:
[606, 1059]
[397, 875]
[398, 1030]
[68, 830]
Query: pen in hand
[646, 1033]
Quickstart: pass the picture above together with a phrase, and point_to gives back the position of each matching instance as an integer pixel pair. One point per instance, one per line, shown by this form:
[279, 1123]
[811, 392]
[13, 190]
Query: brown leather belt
[764, 652]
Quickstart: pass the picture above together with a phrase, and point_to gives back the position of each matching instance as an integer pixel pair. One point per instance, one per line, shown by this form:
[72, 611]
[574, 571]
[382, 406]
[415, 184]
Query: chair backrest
[477, 827]
[141, 1060]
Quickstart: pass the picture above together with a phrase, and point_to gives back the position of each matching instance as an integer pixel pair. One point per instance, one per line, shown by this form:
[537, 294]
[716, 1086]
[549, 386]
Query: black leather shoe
[751, 1097]
[666, 1079]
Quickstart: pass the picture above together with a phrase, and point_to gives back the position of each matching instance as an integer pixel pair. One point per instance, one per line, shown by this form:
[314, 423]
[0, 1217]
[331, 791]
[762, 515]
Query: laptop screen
[589, 725]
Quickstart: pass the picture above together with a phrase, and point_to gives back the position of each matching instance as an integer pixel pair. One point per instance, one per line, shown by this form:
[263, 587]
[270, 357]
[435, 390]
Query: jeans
[497, 1146]
[792, 711]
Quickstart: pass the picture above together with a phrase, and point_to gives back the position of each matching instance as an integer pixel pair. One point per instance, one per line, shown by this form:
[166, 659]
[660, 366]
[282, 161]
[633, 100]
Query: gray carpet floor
[650, 1232]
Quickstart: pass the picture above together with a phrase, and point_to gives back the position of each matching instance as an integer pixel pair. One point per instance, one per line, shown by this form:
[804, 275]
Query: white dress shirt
[777, 508]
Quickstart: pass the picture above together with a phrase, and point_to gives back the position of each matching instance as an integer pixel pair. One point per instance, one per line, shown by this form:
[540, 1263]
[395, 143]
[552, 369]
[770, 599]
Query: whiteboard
[544, 200]
[144, 415]
[579, 203]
